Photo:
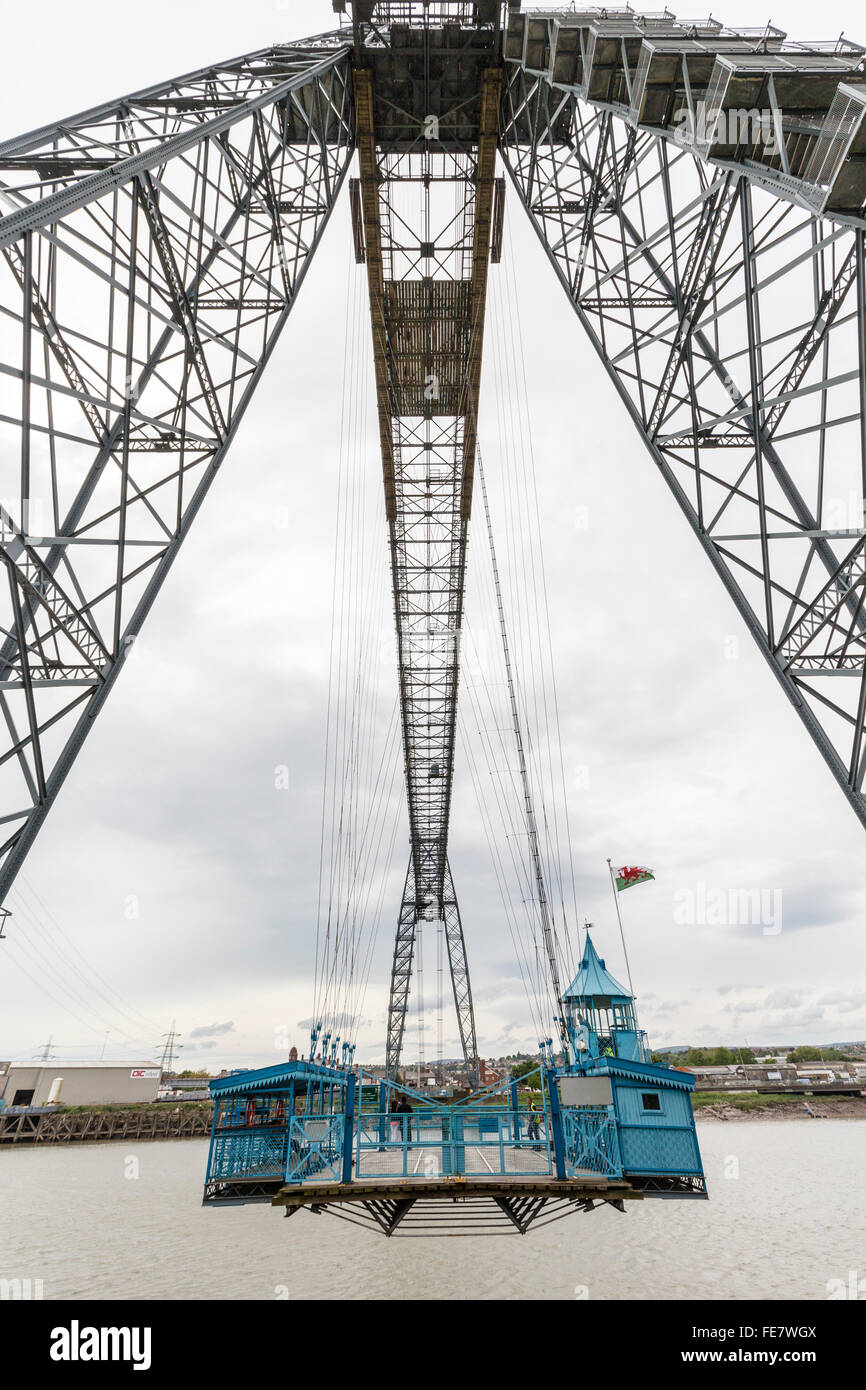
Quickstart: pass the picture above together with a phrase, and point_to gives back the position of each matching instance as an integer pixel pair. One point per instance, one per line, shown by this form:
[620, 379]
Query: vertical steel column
[349, 1126]
[556, 1123]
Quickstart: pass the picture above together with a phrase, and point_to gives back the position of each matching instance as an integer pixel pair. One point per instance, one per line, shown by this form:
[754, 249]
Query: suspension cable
[528, 805]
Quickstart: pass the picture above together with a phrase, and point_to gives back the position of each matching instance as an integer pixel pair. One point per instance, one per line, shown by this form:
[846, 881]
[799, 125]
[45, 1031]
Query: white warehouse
[41, 1083]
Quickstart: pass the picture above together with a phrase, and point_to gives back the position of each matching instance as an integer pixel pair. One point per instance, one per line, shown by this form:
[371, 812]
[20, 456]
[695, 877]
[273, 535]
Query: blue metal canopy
[593, 980]
[649, 1072]
[276, 1078]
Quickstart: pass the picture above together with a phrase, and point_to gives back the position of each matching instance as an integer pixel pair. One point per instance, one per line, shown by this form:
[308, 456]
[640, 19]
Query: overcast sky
[676, 755]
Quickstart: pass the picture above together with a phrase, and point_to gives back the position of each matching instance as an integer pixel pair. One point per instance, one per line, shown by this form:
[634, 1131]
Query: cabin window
[651, 1100]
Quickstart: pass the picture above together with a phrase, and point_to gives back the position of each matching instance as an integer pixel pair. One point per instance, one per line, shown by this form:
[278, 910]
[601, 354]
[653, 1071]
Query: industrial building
[40, 1083]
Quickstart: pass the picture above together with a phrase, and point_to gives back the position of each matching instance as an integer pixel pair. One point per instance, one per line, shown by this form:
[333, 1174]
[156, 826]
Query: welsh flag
[627, 878]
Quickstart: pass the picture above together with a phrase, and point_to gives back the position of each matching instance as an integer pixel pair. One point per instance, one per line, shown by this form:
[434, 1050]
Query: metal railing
[439, 1142]
[248, 1153]
[315, 1148]
[838, 132]
[258, 1138]
[590, 1141]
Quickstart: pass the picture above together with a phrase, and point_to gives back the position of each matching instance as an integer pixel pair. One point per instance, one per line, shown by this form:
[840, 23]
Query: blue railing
[590, 1141]
[457, 1140]
[249, 1139]
[315, 1148]
[263, 1140]
[249, 1153]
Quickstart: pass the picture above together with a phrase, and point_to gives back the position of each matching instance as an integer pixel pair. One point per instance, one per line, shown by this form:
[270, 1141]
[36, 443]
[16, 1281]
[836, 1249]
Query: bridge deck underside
[472, 1206]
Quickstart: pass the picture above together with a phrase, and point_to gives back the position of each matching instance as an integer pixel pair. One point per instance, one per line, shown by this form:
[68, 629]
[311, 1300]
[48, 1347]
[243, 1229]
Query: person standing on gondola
[405, 1109]
[533, 1132]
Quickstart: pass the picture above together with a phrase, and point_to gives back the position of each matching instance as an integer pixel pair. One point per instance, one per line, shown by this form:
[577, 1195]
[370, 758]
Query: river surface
[785, 1219]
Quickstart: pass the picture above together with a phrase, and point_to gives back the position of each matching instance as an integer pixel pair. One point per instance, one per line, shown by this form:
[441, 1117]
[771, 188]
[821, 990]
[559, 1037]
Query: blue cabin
[277, 1124]
[610, 1066]
[601, 1123]
[600, 1012]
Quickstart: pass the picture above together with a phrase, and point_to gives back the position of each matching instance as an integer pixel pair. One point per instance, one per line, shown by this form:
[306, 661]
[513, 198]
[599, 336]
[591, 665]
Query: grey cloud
[341, 1020]
[783, 999]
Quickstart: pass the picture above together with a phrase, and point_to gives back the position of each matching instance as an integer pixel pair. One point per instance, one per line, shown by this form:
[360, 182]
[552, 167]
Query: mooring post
[556, 1123]
[348, 1127]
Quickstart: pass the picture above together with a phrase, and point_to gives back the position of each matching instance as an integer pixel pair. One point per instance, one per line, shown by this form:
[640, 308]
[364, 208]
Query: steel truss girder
[152, 255]
[734, 329]
[413, 912]
[427, 278]
[460, 983]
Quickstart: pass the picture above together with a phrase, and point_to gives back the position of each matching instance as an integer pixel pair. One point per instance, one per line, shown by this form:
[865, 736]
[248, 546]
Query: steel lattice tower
[700, 194]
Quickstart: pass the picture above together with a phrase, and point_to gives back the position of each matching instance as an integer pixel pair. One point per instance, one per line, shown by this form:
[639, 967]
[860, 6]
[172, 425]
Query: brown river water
[785, 1220]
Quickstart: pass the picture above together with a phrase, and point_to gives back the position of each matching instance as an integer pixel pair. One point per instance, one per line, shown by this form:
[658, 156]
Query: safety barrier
[315, 1147]
[590, 1141]
[259, 1139]
[249, 1153]
[456, 1140]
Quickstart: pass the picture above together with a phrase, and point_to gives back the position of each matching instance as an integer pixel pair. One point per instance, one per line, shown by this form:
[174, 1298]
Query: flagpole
[621, 932]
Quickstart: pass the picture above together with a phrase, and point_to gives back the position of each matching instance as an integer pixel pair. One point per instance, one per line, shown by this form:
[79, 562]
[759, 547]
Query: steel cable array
[361, 810]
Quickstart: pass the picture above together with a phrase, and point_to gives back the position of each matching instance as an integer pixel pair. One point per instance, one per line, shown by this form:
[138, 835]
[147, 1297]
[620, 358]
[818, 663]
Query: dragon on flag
[627, 878]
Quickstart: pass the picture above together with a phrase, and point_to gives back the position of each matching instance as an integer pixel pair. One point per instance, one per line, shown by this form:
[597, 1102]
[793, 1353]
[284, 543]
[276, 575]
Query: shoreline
[193, 1120]
[98, 1124]
[751, 1107]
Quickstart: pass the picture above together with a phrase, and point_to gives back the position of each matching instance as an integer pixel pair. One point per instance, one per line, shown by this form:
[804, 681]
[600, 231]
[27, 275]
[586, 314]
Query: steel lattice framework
[425, 203]
[730, 316]
[152, 254]
[700, 193]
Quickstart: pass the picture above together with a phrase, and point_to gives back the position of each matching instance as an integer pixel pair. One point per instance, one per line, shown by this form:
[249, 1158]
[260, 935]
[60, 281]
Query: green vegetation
[751, 1100]
[743, 1100]
[739, 1056]
[818, 1054]
[706, 1057]
[136, 1106]
[524, 1069]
